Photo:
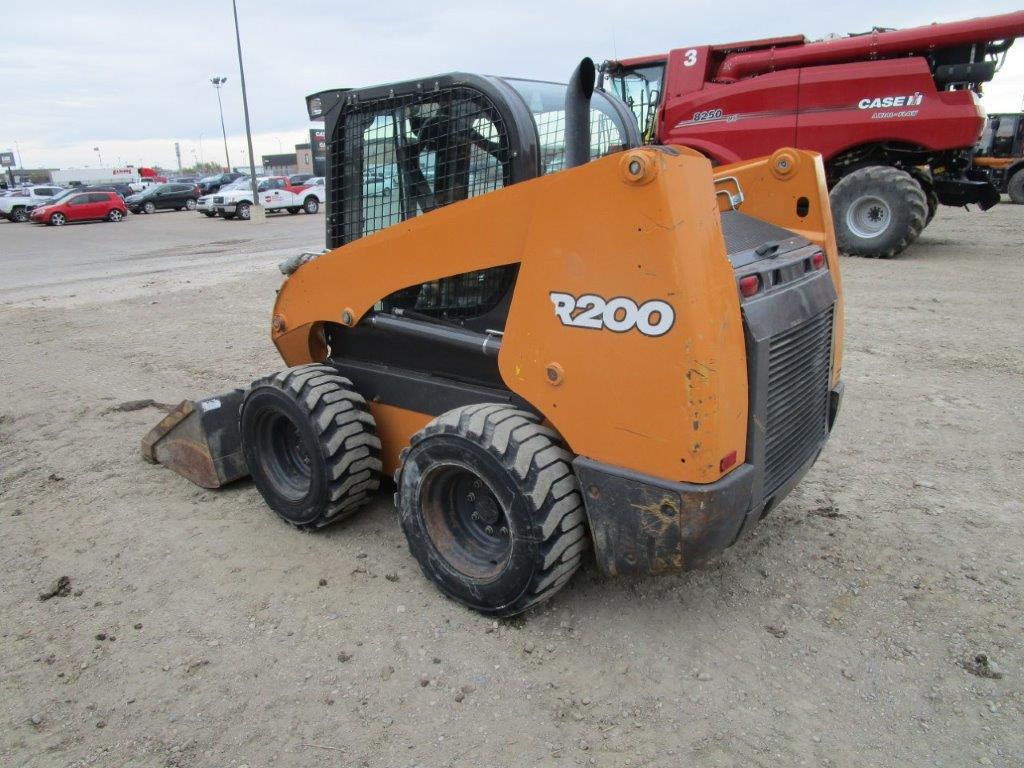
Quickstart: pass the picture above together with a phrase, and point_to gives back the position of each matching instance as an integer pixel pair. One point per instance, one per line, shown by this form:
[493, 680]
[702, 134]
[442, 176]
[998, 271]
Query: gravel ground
[196, 629]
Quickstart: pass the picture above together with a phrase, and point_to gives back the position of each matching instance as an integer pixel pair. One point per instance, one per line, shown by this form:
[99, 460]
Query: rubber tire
[531, 474]
[115, 218]
[293, 210]
[339, 436]
[58, 219]
[311, 205]
[1015, 187]
[19, 215]
[190, 204]
[906, 200]
[228, 216]
[149, 207]
[243, 210]
[210, 214]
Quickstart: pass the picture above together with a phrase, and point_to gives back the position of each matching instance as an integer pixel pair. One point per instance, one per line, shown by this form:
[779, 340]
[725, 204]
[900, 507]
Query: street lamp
[97, 151]
[217, 83]
[257, 208]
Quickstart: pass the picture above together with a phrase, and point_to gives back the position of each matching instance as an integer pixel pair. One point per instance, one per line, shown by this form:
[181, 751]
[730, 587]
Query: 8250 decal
[620, 314]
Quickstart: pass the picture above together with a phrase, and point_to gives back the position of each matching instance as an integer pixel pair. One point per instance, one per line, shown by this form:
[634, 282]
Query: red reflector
[750, 285]
[818, 260]
[727, 461]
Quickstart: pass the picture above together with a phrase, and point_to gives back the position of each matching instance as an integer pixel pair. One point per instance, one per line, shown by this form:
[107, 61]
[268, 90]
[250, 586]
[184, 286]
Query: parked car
[184, 180]
[164, 196]
[298, 179]
[81, 206]
[17, 205]
[378, 182]
[211, 184]
[205, 204]
[275, 193]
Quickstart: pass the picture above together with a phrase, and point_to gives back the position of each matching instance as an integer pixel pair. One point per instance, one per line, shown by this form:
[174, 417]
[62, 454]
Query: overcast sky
[133, 78]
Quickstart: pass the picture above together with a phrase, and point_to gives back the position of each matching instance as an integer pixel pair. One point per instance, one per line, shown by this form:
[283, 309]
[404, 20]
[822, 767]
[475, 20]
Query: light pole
[97, 151]
[256, 214]
[217, 83]
[202, 160]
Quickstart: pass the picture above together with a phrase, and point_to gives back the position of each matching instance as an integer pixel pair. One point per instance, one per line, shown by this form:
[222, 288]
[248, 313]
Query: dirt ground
[198, 630]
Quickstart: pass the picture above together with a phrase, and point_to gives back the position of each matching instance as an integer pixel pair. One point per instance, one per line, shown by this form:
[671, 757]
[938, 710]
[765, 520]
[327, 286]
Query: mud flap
[200, 440]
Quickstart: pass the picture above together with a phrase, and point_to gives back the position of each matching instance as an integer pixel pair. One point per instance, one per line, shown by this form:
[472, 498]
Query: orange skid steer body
[667, 334]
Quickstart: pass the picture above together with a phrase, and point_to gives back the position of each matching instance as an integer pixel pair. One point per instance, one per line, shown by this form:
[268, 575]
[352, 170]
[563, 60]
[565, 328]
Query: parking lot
[199, 630]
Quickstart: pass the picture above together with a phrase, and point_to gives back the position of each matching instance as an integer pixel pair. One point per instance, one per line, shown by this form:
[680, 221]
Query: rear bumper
[642, 524]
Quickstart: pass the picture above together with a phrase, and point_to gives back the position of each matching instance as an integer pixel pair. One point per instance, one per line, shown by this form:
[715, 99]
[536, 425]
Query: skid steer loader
[553, 338]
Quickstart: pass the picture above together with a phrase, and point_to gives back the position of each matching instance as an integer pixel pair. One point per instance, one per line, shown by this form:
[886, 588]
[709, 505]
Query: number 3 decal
[690, 57]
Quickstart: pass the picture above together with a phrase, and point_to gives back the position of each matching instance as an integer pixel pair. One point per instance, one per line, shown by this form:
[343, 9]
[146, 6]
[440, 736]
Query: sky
[131, 79]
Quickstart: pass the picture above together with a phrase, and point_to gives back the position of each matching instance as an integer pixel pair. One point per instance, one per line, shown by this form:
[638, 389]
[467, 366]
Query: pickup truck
[275, 193]
[18, 204]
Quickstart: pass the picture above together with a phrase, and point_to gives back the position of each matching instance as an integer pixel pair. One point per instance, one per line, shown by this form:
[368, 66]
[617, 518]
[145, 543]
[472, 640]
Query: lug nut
[504, 531]
[477, 484]
[471, 496]
[489, 529]
[476, 517]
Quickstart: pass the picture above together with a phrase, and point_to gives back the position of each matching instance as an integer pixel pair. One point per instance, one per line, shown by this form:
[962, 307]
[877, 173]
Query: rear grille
[799, 366]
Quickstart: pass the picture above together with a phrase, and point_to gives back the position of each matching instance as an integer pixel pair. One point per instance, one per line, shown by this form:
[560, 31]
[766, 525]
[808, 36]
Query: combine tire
[1015, 187]
[311, 445]
[311, 205]
[878, 211]
[491, 508]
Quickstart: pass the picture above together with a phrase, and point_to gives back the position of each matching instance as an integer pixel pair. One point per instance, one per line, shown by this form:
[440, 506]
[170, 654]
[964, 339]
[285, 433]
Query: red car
[82, 207]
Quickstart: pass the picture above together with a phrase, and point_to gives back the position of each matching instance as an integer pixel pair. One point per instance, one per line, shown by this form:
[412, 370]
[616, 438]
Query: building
[280, 165]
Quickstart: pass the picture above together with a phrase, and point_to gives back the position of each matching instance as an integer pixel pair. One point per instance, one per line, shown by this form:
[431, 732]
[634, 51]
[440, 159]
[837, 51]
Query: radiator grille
[799, 367]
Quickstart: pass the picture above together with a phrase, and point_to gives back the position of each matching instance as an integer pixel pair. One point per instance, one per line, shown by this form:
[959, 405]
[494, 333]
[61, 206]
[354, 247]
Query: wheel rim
[868, 217]
[465, 521]
[283, 455]
[312, 206]
[20, 215]
[243, 211]
[115, 215]
[58, 219]
[190, 204]
[149, 207]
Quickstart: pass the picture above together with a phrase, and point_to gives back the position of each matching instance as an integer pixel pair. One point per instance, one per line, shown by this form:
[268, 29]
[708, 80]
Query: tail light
[818, 260]
[749, 285]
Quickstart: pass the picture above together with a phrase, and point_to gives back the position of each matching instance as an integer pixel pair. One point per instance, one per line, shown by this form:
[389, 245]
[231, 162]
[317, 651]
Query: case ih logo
[887, 102]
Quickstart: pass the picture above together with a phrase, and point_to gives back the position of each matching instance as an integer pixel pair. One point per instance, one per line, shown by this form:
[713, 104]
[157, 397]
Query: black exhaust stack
[577, 114]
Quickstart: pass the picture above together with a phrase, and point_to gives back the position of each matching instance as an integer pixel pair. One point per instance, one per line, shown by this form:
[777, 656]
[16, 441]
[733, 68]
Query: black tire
[190, 204]
[294, 210]
[228, 216]
[491, 508]
[243, 210]
[209, 214]
[115, 215]
[19, 215]
[877, 211]
[311, 205]
[1015, 187]
[311, 446]
[149, 207]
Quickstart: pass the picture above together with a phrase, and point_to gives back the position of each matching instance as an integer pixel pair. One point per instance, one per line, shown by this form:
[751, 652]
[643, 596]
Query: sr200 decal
[620, 314]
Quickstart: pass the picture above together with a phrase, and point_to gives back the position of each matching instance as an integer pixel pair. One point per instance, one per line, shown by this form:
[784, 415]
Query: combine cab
[999, 157]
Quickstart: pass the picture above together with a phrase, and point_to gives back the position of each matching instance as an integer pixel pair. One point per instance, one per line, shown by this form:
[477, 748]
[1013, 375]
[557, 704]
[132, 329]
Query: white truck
[17, 205]
[274, 192]
[94, 176]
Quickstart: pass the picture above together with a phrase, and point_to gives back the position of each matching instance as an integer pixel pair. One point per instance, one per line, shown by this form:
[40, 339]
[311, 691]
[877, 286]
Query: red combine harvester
[894, 114]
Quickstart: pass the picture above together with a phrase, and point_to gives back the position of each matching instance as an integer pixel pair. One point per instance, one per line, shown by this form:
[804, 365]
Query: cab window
[640, 88]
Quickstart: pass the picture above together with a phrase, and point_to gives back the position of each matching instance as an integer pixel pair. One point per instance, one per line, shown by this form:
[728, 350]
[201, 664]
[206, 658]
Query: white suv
[17, 205]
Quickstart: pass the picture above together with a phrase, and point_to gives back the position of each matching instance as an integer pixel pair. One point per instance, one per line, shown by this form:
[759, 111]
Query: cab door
[77, 208]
